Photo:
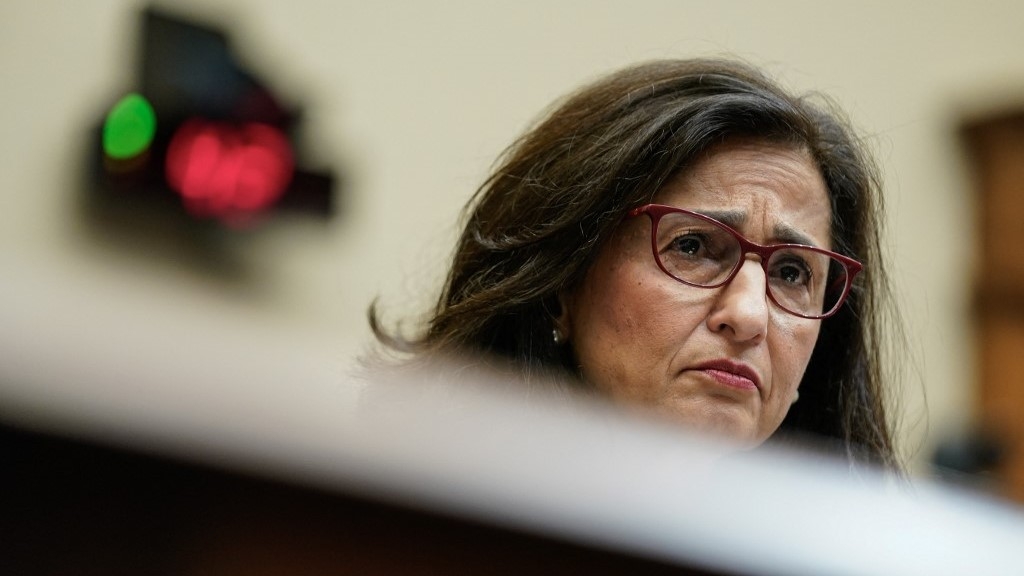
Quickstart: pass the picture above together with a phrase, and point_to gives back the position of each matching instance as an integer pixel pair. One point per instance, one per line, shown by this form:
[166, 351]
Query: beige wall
[412, 101]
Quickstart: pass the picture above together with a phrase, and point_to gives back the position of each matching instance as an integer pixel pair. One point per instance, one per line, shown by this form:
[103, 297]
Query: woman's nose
[741, 306]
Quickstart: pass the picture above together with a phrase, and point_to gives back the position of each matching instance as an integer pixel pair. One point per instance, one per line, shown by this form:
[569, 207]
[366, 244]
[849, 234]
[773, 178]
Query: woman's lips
[729, 373]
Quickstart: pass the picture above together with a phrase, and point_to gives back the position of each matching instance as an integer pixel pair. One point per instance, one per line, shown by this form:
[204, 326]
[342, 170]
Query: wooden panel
[997, 149]
[1002, 394]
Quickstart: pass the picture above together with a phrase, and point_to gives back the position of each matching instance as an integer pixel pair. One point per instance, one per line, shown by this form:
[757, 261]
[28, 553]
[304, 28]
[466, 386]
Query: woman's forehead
[750, 185]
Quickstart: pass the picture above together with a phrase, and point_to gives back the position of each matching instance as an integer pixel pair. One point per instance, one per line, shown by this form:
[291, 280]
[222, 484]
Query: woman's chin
[729, 423]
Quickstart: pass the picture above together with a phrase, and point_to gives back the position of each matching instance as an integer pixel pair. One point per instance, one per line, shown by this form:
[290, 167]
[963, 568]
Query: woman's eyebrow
[786, 234]
[781, 233]
[731, 218]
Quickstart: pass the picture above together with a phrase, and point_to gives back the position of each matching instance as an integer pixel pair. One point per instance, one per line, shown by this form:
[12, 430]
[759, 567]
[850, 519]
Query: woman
[686, 237]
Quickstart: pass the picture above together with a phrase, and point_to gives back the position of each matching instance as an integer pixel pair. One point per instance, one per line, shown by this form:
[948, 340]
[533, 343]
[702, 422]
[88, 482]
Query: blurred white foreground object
[134, 373]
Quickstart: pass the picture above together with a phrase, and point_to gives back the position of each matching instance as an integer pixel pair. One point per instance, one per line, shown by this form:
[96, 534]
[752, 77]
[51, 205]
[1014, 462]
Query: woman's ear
[562, 318]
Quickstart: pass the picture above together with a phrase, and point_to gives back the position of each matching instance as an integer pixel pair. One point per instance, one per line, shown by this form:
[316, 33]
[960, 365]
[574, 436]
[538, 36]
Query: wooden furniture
[80, 508]
[996, 147]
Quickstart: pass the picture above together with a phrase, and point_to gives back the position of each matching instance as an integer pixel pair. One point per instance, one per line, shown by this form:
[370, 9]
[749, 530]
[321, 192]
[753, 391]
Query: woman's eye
[793, 272]
[689, 244]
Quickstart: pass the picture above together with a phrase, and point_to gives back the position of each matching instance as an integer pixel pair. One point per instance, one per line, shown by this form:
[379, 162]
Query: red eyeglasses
[700, 251]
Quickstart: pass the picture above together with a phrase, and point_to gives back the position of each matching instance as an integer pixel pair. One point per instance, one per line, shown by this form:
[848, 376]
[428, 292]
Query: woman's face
[725, 360]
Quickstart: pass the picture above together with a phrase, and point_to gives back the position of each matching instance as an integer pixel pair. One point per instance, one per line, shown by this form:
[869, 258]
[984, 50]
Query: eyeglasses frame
[656, 211]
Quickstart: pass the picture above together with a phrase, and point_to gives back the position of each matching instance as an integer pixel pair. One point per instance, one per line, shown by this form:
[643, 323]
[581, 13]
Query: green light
[129, 128]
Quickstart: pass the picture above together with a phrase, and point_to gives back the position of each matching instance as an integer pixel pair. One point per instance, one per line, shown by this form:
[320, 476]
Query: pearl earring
[796, 396]
[556, 336]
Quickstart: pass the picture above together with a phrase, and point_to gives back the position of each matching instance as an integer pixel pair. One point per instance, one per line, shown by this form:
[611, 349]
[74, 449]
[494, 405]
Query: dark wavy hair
[536, 224]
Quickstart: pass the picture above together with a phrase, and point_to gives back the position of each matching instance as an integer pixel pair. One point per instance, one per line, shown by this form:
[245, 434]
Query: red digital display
[228, 171]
